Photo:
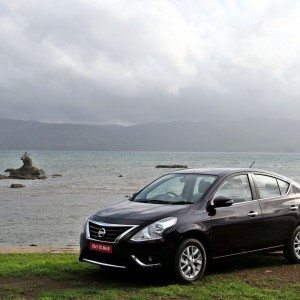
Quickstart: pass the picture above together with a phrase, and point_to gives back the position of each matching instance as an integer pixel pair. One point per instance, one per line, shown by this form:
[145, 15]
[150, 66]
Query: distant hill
[257, 135]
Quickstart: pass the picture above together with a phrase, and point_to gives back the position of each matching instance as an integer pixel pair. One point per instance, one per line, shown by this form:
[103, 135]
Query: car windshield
[176, 189]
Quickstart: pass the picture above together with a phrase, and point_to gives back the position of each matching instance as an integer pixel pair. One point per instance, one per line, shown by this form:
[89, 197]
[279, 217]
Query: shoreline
[7, 249]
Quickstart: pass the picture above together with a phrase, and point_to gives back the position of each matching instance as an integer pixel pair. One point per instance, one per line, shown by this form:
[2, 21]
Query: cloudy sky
[126, 62]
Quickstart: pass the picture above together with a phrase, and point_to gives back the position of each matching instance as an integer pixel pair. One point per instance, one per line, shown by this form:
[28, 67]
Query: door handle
[252, 214]
[294, 207]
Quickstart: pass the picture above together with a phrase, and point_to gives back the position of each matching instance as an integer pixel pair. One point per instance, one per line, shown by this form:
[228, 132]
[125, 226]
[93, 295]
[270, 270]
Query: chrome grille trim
[140, 263]
[108, 225]
[102, 264]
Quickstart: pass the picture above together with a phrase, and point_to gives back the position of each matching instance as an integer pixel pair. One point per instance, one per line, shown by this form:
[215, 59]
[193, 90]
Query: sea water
[51, 211]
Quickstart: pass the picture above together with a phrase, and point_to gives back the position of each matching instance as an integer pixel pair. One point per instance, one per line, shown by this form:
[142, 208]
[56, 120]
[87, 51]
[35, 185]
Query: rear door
[236, 229]
[279, 208]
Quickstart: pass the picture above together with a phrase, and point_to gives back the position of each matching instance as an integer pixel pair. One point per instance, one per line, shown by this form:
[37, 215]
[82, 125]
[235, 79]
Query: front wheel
[292, 248]
[190, 261]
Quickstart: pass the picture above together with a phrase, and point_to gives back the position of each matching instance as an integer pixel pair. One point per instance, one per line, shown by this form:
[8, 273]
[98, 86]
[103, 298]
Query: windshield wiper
[157, 201]
[182, 202]
[164, 202]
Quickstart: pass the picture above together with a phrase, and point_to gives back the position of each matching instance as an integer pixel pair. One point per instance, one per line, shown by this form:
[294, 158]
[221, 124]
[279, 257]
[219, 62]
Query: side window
[267, 186]
[283, 186]
[236, 188]
[201, 185]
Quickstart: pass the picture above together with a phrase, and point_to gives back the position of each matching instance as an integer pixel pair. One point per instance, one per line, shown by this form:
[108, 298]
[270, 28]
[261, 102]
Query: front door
[237, 228]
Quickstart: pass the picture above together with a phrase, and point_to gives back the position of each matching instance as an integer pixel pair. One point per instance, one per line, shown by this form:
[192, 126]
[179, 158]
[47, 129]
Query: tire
[190, 261]
[291, 250]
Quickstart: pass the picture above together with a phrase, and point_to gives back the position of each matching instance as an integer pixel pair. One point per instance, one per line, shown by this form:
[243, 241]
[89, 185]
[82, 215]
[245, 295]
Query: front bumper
[127, 254]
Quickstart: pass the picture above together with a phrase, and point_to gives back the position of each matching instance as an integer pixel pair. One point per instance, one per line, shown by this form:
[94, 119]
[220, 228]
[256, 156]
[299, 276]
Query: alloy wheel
[297, 245]
[191, 261]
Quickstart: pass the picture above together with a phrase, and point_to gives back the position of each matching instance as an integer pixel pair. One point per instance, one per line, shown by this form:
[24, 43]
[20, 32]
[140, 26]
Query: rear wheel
[190, 261]
[292, 248]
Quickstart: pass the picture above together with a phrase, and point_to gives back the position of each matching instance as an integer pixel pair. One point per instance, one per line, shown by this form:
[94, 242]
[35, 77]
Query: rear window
[283, 186]
[267, 186]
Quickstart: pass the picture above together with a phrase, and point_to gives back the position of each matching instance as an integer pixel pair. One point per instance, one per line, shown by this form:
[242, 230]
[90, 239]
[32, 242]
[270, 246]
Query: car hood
[140, 211]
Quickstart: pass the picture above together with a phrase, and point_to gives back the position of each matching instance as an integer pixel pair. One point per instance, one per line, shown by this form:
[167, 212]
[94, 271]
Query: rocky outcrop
[27, 171]
[172, 166]
[3, 177]
[17, 186]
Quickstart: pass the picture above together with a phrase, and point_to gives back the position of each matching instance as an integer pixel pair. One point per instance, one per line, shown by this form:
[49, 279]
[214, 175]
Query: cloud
[142, 61]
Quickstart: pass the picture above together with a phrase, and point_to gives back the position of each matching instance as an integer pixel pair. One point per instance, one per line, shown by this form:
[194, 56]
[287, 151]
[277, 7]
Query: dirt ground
[274, 273]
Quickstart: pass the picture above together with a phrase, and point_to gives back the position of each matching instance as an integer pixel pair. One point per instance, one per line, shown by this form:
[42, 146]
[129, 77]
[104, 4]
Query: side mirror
[132, 197]
[222, 201]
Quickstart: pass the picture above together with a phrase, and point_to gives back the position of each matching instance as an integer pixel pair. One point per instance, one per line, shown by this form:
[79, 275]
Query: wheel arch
[198, 235]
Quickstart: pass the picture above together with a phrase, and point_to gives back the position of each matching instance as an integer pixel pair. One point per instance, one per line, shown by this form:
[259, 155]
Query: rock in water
[171, 166]
[27, 171]
[17, 186]
[3, 177]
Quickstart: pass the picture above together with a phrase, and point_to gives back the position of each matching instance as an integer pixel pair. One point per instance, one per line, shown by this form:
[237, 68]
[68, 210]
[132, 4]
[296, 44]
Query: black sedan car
[185, 219]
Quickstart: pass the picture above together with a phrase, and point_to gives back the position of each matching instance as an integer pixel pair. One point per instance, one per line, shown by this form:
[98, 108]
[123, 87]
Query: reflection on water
[52, 211]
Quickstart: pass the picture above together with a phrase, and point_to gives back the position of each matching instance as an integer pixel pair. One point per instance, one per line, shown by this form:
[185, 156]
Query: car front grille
[112, 231]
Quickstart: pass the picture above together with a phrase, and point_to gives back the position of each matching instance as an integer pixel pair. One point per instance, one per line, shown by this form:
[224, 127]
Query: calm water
[52, 211]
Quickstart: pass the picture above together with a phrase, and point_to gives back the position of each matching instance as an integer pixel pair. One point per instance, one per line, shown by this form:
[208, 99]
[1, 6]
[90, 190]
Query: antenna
[252, 164]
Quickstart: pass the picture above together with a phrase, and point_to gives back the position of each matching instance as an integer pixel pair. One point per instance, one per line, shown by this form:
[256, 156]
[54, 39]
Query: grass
[61, 276]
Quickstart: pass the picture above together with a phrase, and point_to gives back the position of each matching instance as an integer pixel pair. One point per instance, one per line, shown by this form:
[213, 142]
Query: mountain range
[250, 135]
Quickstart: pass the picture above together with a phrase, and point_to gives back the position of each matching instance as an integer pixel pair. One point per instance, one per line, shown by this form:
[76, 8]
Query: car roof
[219, 171]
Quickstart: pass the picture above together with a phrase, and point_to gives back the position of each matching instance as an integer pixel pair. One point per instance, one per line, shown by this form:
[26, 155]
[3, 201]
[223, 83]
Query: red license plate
[100, 247]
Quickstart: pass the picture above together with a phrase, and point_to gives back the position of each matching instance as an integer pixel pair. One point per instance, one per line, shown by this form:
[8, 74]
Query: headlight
[155, 230]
